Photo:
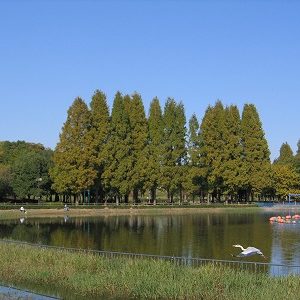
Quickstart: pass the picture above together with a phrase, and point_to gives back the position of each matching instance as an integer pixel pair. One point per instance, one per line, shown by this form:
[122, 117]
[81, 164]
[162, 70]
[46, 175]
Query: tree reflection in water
[205, 235]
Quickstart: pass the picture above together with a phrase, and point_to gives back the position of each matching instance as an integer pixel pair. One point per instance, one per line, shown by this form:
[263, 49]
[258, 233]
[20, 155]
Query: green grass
[88, 276]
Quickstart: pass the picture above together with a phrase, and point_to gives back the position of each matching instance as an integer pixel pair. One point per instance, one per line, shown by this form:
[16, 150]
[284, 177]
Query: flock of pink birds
[287, 219]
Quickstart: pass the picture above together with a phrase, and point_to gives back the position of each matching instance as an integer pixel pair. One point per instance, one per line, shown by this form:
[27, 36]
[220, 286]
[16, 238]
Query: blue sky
[194, 51]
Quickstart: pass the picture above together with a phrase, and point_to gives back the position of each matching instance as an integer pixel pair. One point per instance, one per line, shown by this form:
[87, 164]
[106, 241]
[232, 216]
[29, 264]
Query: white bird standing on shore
[249, 251]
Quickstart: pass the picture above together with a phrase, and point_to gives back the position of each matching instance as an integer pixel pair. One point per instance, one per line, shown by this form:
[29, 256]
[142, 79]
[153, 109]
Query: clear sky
[193, 51]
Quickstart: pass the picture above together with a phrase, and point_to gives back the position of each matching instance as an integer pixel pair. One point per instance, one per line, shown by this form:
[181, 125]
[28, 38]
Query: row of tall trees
[113, 156]
[234, 154]
[125, 154]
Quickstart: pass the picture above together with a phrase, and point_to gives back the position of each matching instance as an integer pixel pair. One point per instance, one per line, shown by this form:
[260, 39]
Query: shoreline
[100, 212]
[103, 212]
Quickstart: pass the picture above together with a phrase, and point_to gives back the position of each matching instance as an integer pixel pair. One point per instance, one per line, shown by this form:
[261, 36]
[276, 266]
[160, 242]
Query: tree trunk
[96, 195]
[171, 198]
[101, 193]
[135, 195]
[153, 195]
[126, 198]
[180, 195]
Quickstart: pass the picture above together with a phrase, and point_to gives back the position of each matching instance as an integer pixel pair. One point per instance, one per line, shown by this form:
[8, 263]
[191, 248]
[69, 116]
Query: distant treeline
[126, 155]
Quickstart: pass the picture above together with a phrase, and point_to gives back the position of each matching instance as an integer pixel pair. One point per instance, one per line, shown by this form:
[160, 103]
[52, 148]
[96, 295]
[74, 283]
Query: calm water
[201, 235]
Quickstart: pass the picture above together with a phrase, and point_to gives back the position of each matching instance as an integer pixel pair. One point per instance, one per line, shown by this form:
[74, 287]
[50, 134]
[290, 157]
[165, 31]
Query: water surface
[205, 235]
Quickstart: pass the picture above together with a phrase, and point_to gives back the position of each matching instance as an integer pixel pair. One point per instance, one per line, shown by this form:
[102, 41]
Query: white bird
[249, 251]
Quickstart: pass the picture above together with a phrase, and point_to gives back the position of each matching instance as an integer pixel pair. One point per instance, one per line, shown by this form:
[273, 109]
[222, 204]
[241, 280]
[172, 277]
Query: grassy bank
[80, 275]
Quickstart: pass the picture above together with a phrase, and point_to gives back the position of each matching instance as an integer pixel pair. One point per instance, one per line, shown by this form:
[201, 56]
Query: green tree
[155, 123]
[180, 148]
[233, 151]
[117, 174]
[204, 159]
[5, 180]
[297, 158]
[256, 154]
[73, 170]
[174, 148]
[30, 174]
[9, 151]
[13, 154]
[285, 180]
[194, 141]
[286, 156]
[140, 150]
[212, 148]
[194, 180]
[45, 161]
[100, 130]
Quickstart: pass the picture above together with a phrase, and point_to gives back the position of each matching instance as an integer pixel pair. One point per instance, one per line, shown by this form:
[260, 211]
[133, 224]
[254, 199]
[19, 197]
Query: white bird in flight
[249, 251]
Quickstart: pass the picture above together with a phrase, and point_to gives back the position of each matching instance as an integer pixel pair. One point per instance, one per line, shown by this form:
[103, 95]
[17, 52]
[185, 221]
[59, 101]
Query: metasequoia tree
[232, 164]
[73, 169]
[174, 150]
[285, 180]
[180, 148]
[193, 141]
[118, 172]
[213, 148]
[297, 158]
[194, 181]
[256, 154]
[100, 130]
[286, 156]
[155, 125]
[139, 135]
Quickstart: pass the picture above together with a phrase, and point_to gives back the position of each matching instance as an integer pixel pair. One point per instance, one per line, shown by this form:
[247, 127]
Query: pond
[204, 235]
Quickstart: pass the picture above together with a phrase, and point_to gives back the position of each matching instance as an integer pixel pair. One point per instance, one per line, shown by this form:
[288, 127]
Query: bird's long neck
[241, 247]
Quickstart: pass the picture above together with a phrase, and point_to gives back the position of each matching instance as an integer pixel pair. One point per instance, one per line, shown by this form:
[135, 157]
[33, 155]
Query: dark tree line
[127, 155]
